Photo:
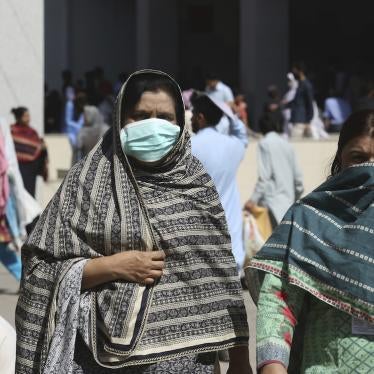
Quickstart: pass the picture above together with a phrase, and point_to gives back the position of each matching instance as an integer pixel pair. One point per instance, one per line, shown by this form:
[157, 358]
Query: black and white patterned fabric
[108, 204]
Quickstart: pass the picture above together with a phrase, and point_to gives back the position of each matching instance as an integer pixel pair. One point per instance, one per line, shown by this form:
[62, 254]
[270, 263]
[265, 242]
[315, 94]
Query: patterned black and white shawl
[106, 205]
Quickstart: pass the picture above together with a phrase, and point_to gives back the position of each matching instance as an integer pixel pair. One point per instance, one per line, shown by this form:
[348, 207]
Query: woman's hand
[273, 368]
[137, 266]
[133, 266]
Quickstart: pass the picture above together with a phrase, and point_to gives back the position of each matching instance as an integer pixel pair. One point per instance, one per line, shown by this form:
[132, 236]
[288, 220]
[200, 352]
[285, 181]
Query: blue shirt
[221, 92]
[221, 156]
[337, 110]
[72, 127]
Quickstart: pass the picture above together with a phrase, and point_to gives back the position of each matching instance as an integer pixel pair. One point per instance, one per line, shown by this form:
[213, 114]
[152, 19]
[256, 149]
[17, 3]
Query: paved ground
[8, 301]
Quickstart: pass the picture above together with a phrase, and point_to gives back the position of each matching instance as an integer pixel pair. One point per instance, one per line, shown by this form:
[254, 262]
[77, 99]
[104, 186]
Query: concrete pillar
[22, 58]
[57, 33]
[142, 14]
[264, 49]
[247, 55]
[164, 35]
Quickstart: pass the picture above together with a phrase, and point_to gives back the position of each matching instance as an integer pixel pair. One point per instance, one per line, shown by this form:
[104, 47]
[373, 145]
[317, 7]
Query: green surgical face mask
[149, 140]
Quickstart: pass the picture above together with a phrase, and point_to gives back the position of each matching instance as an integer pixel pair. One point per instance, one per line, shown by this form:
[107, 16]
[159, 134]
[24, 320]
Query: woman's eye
[359, 158]
[166, 117]
[140, 117]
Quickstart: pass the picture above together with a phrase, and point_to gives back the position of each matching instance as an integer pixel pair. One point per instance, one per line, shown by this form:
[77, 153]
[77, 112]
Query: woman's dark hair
[19, 112]
[269, 122]
[212, 76]
[273, 92]
[299, 65]
[141, 83]
[203, 105]
[358, 124]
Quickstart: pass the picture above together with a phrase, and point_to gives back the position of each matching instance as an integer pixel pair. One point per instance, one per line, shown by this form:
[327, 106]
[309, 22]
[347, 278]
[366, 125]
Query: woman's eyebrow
[165, 113]
[358, 150]
[141, 112]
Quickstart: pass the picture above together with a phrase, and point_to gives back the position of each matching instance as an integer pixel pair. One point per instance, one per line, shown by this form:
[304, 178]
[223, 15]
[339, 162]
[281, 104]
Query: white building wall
[22, 58]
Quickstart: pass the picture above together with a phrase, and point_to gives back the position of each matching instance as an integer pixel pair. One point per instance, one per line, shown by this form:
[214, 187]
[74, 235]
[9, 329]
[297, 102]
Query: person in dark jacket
[302, 105]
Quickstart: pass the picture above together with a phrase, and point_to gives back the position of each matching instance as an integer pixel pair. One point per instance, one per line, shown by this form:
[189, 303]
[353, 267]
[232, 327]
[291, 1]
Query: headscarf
[324, 244]
[92, 116]
[107, 205]
[94, 128]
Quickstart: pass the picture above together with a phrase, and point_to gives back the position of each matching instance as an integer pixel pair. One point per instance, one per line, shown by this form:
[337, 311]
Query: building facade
[243, 41]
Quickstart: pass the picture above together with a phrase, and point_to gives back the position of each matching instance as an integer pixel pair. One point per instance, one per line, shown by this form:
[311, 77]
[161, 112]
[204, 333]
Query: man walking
[220, 92]
[280, 181]
[302, 104]
[221, 156]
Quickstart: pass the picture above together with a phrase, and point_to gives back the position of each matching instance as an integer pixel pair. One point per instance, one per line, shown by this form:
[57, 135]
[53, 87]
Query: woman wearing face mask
[130, 269]
[321, 258]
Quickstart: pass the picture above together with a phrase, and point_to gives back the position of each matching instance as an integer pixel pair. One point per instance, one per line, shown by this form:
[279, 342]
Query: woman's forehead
[363, 141]
[160, 101]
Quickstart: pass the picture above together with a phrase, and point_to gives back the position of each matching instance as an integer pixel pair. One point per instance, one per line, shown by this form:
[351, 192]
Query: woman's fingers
[155, 274]
[158, 255]
[152, 276]
[158, 265]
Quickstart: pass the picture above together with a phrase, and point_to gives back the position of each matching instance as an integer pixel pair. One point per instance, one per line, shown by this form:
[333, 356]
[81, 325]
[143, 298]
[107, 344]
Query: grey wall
[82, 34]
[56, 41]
[264, 49]
[164, 35]
[247, 44]
[213, 50]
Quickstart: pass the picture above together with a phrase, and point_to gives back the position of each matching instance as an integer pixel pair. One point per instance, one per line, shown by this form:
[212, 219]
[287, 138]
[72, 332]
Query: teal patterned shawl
[325, 243]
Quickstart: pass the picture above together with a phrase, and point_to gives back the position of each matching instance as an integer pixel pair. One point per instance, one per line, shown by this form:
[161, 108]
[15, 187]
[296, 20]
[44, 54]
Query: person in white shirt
[288, 98]
[220, 92]
[280, 181]
[221, 156]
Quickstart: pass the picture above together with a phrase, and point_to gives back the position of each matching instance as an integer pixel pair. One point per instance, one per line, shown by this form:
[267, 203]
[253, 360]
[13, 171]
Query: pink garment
[186, 95]
[4, 182]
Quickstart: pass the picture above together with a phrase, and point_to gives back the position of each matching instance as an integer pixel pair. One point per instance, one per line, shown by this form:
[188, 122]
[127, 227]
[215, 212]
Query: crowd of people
[300, 111]
[308, 107]
[23, 157]
[135, 264]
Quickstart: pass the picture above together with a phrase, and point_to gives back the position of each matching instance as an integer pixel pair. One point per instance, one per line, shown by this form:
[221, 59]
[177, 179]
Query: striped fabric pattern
[27, 143]
[106, 205]
[325, 243]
